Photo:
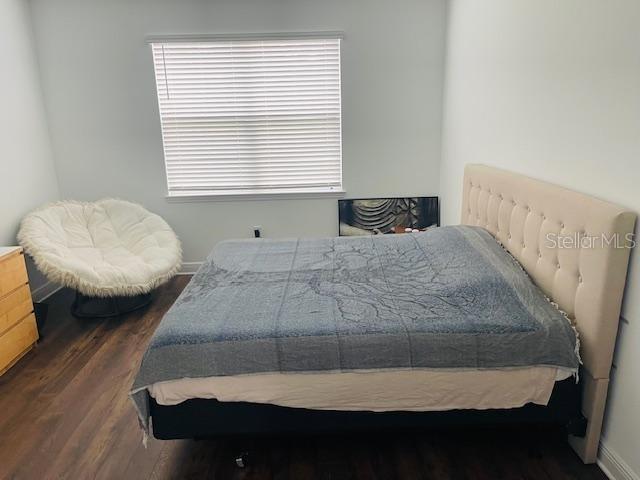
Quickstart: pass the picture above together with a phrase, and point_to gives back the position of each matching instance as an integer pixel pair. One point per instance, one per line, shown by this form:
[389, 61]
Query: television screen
[367, 216]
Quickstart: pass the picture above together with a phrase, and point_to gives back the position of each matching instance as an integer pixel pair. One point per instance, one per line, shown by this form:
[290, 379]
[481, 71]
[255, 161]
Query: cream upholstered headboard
[564, 240]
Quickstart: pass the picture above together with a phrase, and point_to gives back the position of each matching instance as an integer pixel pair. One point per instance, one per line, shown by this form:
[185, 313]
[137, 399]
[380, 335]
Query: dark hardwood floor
[65, 413]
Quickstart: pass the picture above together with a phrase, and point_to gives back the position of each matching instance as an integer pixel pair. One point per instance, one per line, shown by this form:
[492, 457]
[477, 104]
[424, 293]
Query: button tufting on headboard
[530, 218]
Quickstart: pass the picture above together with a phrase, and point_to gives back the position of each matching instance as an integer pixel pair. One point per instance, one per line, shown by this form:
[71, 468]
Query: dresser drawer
[13, 273]
[16, 341]
[14, 307]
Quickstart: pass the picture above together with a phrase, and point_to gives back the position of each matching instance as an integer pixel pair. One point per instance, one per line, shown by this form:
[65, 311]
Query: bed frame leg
[242, 459]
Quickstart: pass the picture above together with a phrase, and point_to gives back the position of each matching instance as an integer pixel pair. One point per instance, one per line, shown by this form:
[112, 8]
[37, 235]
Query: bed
[436, 328]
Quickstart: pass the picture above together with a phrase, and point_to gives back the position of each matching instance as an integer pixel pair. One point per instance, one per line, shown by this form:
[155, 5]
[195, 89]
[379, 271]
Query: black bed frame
[200, 418]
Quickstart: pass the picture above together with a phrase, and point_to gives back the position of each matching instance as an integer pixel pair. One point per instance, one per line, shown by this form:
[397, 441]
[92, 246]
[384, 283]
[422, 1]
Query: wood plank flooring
[64, 413]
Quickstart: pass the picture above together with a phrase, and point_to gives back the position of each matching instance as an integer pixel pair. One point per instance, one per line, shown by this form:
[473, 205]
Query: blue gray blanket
[447, 298]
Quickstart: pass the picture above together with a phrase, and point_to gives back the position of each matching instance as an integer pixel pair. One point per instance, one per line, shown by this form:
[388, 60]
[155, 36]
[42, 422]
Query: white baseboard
[44, 291]
[189, 268]
[613, 466]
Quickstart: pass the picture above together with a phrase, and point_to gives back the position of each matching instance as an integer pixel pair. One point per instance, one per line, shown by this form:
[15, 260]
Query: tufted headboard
[563, 240]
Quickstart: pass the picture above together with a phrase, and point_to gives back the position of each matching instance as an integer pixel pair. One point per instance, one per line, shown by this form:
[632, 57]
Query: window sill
[227, 197]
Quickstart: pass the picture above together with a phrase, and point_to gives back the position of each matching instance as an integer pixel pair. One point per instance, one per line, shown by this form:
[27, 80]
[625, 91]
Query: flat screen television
[366, 216]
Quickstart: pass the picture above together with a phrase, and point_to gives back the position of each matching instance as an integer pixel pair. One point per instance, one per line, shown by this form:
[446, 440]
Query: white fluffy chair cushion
[103, 249]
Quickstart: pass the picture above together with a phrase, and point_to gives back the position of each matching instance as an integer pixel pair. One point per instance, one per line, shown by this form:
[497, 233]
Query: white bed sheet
[373, 390]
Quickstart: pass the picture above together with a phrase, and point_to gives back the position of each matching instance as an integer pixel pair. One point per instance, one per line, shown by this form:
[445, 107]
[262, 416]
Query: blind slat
[288, 136]
[226, 156]
[250, 116]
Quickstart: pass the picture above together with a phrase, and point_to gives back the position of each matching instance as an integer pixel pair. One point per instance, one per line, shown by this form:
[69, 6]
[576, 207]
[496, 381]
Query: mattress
[374, 390]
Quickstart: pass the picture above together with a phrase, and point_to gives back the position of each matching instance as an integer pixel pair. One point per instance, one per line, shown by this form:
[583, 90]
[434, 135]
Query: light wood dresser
[18, 330]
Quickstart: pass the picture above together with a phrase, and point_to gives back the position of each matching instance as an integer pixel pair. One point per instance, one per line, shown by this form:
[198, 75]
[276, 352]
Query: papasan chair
[113, 253]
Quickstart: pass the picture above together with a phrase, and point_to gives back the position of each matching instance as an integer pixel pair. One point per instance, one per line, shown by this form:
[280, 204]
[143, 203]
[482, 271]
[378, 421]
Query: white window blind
[250, 116]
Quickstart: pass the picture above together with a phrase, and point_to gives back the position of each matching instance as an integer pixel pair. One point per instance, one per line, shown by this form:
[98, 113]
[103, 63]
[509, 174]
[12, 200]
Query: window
[250, 116]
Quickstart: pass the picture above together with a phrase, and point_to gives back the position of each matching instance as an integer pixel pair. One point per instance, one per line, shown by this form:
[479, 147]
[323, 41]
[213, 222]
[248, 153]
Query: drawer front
[13, 274]
[16, 340]
[15, 307]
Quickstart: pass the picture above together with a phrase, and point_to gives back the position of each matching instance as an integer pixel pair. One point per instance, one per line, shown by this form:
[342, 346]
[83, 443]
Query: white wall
[27, 176]
[99, 86]
[552, 89]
